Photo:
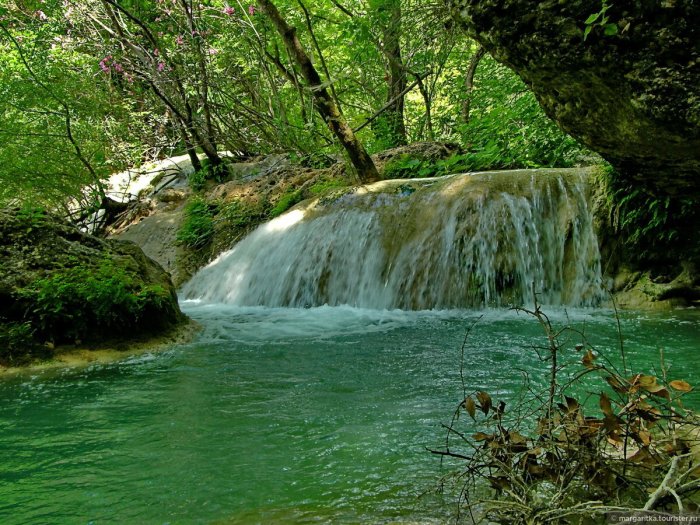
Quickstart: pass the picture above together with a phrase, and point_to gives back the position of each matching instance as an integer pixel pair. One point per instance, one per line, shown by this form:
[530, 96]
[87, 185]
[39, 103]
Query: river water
[283, 415]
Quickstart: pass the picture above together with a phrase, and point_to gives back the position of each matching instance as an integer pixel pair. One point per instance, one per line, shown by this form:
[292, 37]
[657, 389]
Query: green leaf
[592, 18]
[611, 29]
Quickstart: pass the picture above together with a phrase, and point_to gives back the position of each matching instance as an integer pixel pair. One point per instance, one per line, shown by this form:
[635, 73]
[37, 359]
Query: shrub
[198, 225]
[33, 216]
[560, 456]
[198, 179]
[17, 343]
[407, 167]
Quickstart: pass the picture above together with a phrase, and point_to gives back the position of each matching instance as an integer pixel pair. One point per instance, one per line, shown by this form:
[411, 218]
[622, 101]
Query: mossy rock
[59, 285]
[625, 83]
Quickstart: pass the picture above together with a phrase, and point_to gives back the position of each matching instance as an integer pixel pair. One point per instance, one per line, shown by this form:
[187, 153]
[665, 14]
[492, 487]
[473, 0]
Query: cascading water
[485, 239]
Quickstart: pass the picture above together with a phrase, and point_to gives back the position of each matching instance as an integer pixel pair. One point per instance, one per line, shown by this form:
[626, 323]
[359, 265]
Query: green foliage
[385, 136]
[286, 201]
[33, 216]
[82, 303]
[508, 128]
[324, 185]
[198, 225]
[17, 343]
[197, 180]
[656, 229]
[243, 214]
[601, 20]
[107, 88]
[314, 160]
[407, 167]
[217, 173]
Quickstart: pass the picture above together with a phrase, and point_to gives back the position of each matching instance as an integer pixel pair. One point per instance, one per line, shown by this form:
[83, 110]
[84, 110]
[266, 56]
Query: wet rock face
[68, 286]
[633, 96]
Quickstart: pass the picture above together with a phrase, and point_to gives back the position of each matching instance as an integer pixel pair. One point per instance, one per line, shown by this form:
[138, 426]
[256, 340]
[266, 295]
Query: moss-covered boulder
[626, 82]
[59, 285]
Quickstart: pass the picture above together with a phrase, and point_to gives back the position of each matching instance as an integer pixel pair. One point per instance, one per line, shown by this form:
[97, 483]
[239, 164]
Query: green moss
[286, 201]
[324, 185]
[240, 213]
[85, 303]
[198, 225]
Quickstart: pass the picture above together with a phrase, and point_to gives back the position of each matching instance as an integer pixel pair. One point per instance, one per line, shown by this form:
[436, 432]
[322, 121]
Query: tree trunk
[327, 108]
[390, 13]
[469, 83]
[191, 150]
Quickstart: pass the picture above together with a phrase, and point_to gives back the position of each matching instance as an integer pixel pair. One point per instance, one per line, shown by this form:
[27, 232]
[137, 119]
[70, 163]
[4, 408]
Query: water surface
[318, 415]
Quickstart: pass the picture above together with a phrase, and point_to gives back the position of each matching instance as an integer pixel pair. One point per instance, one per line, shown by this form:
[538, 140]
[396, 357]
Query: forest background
[93, 87]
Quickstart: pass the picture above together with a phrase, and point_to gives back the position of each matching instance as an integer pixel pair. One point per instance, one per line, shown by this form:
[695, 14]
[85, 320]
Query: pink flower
[161, 66]
[118, 67]
[179, 40]
[229, 11]
[104, 63]
[213, 51]
[251, 10]
[41, 15]
[156, 52]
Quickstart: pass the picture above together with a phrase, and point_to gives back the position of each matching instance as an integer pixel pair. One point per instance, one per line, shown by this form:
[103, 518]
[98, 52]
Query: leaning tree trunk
[328, 109]
[469, 84]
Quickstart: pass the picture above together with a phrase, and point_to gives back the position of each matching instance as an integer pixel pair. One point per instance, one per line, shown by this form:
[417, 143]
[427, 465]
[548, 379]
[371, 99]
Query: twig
[666, 486]
[461, 361]
[391, 102]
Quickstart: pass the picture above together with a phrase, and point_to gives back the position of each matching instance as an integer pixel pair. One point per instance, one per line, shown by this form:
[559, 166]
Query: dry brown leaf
[680, 385]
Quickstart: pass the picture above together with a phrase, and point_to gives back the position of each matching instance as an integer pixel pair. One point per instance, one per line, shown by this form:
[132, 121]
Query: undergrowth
[198, 179]
[660, 229]
[17, 343]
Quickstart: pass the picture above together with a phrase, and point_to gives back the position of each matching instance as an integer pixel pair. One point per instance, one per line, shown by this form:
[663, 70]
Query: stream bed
[282, 415]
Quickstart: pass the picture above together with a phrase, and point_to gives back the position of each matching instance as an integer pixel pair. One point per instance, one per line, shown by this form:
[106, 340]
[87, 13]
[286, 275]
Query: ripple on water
[315, 415]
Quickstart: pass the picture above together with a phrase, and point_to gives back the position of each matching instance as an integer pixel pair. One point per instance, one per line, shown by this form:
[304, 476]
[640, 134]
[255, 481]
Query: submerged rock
[59, 285]
[630, 90]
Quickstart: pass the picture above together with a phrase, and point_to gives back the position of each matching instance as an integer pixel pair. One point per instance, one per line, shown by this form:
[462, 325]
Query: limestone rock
[632, 95]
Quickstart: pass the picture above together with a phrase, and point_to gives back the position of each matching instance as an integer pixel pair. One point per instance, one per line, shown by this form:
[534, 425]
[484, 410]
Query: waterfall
[460, 241]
